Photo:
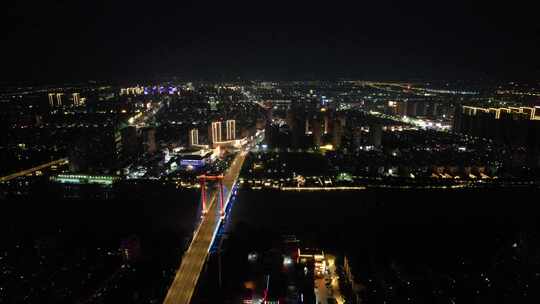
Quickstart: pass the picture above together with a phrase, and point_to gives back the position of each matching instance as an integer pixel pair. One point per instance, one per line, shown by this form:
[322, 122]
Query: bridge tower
[219, 178]
[202, 182]
[221, 199]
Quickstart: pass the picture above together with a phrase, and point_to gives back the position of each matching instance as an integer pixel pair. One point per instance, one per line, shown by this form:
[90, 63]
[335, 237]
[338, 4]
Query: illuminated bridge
[214, 208]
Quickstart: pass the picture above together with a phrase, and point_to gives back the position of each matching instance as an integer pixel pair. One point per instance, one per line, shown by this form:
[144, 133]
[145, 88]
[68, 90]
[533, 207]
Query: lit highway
[32, 170]
[187, 275]
[327, 287]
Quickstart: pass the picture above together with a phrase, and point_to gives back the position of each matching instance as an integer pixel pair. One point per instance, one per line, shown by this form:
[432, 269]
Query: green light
[85, 179]
[344, 177]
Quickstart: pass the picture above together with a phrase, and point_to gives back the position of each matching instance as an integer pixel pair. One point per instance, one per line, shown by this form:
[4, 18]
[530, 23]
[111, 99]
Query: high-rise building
[117, 145]
[51, 100]
[96, 151]
[38, 120]
[268, 113]
[435, 110]
[295, 124]
[215, 135]
[516, 127]
[193, 137]
[231, 129]
[412, 108]
[421, 108]
[357, 137]
[375, 135]
[271, 134]
[326, 126]
[316, 131]
[149, 140]
[59, 99]
[289, 119]
[131, 145]
[401, 108]
[76, 99]
[337, 132]
[307, 127]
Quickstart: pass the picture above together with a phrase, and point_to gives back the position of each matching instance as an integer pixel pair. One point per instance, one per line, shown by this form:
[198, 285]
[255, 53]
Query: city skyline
[188, 152]
[244, 186]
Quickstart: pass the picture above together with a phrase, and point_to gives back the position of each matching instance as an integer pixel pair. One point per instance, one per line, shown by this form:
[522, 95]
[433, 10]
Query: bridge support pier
[221, 199]
[203, 196]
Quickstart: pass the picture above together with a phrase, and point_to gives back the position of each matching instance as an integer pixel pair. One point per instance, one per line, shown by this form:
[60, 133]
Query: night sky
[58, 41]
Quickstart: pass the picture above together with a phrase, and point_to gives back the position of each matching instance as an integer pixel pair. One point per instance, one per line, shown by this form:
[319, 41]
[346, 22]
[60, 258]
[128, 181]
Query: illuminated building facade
[149, 140]
[51, 99]
[231, 129]
[193, 137]
[401, 108]
[315, 127]
[196, 159]
[85, 186]
[215, 135]
[55, 99]
[105, 180]
[316, 131]
[511, 126]
[326, 126]
[76, 99]
[59, 99]
[132, 91]
[307, 127]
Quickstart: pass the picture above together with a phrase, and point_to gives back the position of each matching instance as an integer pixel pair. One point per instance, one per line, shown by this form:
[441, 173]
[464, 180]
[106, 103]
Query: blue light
[192, 162]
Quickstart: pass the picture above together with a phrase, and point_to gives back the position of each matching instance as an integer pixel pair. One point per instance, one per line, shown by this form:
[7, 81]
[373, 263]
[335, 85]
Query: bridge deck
[187, 275]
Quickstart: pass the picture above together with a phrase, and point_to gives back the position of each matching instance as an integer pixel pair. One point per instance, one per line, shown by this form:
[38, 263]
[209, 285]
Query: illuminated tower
[51, 99]
[307, 128]
[59, 99]
[325, 124]
[76, 99]
[231, 129]
[193, 137]
[216, 131]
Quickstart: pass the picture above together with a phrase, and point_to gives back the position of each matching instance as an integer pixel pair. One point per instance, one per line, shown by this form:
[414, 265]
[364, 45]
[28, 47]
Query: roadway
[34, 169]
[187, 275]
[327, 287]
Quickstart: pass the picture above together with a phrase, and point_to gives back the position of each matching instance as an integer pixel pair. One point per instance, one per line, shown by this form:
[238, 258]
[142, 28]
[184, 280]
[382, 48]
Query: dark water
[172, 212]
[64, 251]
[432, 246]
[57, 251]
[364, 215]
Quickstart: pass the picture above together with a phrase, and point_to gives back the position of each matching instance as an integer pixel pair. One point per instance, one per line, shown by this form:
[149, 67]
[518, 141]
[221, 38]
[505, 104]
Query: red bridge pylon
[202, 180]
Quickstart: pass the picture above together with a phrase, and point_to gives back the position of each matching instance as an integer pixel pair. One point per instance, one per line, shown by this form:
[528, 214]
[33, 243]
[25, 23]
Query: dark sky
[55, 41]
